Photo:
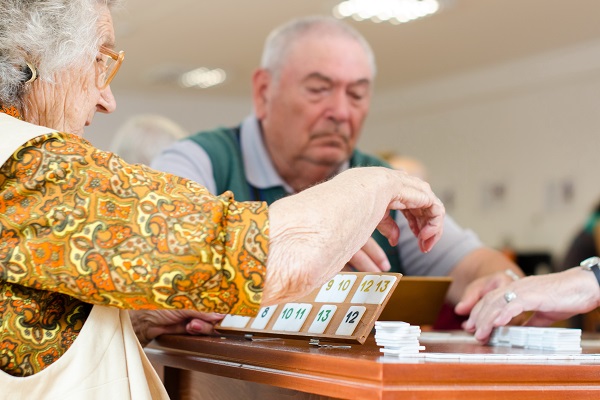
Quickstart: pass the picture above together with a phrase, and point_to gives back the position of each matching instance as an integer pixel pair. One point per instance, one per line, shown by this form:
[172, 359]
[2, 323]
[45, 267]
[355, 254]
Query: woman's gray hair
[281, 39]
[50, 35]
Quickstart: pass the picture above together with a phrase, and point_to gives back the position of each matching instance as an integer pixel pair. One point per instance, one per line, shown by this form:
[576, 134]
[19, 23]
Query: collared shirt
[186, 158]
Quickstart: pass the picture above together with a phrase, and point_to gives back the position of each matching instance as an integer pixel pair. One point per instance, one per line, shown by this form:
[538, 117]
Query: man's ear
[261, 79]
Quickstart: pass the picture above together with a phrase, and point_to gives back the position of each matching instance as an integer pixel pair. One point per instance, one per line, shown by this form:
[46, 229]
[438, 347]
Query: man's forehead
[332, 42]
[325, 60]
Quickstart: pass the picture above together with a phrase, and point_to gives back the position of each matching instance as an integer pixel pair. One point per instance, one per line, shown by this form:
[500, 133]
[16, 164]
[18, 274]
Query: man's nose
[339, 107]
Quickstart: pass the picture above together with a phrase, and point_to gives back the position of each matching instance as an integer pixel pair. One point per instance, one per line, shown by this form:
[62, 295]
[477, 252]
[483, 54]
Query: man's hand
[478, 288]
[479, 272]
[371, 258]
[149, 324]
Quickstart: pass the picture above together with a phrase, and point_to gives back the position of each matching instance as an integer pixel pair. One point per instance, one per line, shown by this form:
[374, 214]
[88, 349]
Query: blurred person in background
[142, 137]
[586, 242]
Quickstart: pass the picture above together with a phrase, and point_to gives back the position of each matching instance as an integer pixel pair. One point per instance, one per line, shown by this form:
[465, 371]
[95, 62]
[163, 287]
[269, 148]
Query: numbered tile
[263, 317]
[322, 319]
[350, 321]
[299, 317]
[336, 290]
[292, 317]
[365, 288]
[235, 321]
[285, 316]
[381, 290]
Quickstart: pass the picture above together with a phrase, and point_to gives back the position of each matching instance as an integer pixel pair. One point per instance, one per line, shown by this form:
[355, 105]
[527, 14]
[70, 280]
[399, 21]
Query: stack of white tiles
[555, 339]
[398, 338]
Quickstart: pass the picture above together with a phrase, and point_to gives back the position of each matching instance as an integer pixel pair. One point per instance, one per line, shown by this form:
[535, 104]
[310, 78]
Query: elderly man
[311, 97]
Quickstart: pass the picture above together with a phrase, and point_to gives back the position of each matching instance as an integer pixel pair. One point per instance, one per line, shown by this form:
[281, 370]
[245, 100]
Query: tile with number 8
[263, 317]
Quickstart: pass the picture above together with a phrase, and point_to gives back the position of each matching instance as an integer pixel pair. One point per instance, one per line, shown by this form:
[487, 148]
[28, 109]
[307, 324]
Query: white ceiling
[177, 35]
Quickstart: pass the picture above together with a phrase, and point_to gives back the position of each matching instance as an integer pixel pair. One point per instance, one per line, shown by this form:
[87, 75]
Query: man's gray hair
[50, 35]
[281, 39]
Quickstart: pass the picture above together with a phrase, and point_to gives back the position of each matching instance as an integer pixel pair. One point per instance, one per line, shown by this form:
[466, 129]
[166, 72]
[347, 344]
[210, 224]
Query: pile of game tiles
[555, 339]
[398, 338]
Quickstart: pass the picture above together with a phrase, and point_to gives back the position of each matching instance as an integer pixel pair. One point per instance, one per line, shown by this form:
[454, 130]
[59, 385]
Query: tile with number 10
[336, 290]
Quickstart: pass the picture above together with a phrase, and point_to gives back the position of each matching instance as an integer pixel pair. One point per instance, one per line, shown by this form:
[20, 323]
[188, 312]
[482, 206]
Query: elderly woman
[86, 235]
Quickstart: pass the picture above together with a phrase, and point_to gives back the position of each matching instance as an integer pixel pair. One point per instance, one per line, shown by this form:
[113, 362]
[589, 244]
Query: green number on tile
[323, 315]
[300, 313]
[287, 313]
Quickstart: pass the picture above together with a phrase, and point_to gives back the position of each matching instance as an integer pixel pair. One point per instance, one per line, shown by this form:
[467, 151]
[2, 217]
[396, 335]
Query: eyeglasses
[110, 64]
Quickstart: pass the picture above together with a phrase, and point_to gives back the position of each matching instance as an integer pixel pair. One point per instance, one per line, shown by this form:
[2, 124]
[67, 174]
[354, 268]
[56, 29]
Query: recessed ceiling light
[393, 11]
[202, 78]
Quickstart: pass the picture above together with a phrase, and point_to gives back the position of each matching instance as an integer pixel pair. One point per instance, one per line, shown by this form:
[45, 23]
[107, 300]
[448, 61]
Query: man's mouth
[331, 138]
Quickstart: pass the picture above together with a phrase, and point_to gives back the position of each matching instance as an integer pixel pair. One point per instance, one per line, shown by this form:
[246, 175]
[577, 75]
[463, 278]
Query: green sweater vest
[223, 148]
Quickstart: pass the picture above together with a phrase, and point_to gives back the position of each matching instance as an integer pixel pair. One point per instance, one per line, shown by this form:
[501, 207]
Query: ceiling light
[202, 78]
[393, 11]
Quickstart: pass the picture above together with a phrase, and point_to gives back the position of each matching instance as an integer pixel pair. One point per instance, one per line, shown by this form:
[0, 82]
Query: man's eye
[317, 89]
[357, 94]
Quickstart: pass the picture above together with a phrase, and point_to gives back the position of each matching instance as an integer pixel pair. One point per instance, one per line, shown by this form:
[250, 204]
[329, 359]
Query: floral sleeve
[80, 221]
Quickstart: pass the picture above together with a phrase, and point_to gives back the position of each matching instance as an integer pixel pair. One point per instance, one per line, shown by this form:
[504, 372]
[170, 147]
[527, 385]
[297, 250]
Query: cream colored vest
[106, 360]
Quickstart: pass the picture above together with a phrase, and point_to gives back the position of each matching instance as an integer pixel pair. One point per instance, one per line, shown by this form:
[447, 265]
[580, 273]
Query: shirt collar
[260, 171]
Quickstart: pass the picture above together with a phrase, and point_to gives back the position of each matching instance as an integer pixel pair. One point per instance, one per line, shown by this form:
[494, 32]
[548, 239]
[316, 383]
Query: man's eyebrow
[325, 78]
[319, 76]
[360, 82]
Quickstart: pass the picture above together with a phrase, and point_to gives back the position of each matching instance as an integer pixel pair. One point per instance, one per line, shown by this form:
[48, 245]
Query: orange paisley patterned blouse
[79, 226]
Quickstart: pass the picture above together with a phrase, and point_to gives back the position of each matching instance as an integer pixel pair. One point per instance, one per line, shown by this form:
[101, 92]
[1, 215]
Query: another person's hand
[479, 272]
[149, 324]
[479, 288]
[370, 258]
[553, 297]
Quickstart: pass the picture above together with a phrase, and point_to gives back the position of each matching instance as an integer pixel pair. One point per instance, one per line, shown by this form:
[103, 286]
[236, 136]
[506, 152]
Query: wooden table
[236, 368]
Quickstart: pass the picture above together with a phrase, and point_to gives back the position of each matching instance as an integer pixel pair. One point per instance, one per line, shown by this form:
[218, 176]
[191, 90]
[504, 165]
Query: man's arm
[479, 272]
[188, 160]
